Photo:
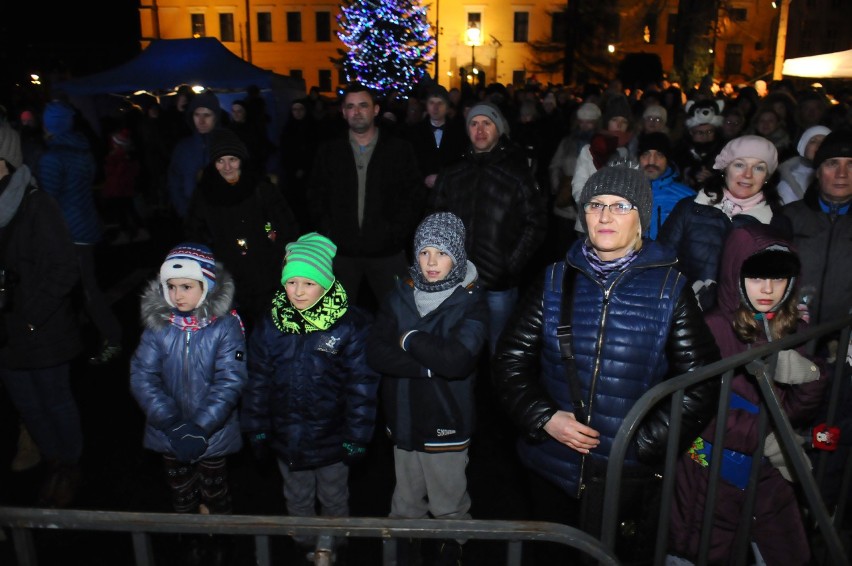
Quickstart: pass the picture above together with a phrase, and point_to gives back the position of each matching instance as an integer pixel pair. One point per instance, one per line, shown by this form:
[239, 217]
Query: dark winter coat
[66, 171]
[427, 390]
[777, 527]
[178, 374]
[503, 210]
[311, 392]
[393, 204]
[247, 226]
[42, 270]
[697, 230]
[824, 242]
[189, 157]
[640, 327]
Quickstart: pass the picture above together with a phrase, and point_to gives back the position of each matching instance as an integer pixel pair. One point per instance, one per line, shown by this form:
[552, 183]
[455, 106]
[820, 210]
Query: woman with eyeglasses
[743, 190]
[634, 323]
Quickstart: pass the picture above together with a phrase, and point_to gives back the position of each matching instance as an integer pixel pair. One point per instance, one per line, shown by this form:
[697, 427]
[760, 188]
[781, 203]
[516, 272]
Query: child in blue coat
[187, 375]
[311, 397]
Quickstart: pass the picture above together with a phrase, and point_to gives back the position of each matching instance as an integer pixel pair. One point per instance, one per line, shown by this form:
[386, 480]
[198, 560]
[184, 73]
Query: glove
[353, 452]
[188, 441]
[793, 368]
[259, 442]
[772, 450]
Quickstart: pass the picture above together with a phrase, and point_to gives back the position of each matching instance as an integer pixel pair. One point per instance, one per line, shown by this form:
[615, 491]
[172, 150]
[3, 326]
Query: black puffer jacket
[502, 207]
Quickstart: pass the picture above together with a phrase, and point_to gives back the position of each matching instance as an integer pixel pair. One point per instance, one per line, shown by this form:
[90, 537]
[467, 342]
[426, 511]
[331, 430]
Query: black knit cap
[836, 144]
[225, 142]
[658, 141]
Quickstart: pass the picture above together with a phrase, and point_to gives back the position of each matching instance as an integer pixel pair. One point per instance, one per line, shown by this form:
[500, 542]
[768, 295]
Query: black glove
[188, 441]
[259, 443]
[353, 452]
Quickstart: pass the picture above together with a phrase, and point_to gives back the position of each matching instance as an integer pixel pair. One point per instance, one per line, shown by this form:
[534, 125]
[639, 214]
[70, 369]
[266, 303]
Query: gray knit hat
[444, 231]
[492, 113]
[623, 179]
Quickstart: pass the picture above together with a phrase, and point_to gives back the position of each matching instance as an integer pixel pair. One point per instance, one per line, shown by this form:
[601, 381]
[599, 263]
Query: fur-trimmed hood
[155, 311]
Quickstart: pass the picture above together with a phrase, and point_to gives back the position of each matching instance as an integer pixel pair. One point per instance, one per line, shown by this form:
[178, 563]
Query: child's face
[185, 294]
[303, 292]
[434, 264]
[765, 294]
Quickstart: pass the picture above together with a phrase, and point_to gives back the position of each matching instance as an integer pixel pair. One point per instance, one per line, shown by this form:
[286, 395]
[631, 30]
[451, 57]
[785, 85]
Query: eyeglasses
[617, 208]
[653, 119]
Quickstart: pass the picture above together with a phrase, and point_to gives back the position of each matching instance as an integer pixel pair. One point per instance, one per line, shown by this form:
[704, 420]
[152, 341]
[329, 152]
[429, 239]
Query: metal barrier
[141, 526]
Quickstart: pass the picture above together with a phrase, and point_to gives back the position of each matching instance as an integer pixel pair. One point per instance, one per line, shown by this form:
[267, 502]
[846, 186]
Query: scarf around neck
[602, 269]
[732, 205]
[320, 316]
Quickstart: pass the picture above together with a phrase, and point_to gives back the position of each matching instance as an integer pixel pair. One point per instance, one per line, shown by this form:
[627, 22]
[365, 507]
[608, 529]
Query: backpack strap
[564, 334]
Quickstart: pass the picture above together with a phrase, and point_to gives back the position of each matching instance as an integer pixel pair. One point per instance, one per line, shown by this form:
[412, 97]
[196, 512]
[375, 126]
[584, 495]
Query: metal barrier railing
[827, 529]
[141, 526]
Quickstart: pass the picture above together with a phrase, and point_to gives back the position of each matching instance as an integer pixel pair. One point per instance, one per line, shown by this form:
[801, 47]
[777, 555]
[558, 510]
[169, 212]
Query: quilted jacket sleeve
[690, 346]
[516, 366]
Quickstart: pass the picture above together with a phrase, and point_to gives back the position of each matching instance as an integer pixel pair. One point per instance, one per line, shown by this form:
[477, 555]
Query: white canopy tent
[826, 66]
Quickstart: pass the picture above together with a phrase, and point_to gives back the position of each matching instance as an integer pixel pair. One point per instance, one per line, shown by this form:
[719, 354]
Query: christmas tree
[390, 43]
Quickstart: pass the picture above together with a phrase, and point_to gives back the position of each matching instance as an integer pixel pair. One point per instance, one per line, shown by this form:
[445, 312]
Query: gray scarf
[427, 301]
[11, 197]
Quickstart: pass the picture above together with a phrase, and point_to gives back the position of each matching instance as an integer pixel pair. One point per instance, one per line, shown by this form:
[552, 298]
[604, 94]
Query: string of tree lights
[390, 43]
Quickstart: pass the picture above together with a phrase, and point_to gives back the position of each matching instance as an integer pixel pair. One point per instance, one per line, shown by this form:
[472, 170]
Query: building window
[226, 27]
[342, 79]
[671, 29]
[294, 26]
[733, 59]
[522, 27]
[559, 27]
[323, 20]
[518, 77]
[738, 14]
[296, 73]
[198, 28]
[649, 32]
[324, 80]
[758, 46]
[264, 27]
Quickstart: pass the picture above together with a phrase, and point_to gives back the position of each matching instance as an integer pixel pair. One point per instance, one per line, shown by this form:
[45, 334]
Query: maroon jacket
[777, 528]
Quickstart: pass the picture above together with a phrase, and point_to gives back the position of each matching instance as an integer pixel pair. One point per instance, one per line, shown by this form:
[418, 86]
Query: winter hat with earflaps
[189, 261]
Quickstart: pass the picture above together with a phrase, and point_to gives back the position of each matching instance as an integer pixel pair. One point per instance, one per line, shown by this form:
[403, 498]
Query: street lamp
[473, 37]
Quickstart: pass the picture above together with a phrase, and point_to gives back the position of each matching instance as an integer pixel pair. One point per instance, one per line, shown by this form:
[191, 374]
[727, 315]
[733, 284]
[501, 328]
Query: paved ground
[119, 475]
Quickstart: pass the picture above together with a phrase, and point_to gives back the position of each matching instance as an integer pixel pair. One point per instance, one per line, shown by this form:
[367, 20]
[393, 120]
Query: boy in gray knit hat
[426, 342]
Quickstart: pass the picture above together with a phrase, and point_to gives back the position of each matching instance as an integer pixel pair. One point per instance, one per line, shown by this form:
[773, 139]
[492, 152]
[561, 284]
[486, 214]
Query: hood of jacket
[741, 244]
[156, 311]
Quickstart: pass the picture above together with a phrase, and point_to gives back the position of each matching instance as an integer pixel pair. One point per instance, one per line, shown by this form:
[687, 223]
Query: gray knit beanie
[445, 232]
[623, 179]
[491, 112]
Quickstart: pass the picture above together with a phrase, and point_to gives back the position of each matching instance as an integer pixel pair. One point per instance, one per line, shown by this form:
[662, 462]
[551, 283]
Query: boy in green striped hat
[311, 397]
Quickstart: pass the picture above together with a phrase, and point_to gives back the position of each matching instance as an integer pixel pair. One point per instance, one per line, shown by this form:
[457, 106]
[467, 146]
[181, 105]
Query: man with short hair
[822, 229]
[655, 152]
[437, 141]
[366, 194]
[495, 194]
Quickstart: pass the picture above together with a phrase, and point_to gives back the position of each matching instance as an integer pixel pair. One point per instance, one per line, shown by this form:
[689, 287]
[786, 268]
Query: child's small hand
[188, 441]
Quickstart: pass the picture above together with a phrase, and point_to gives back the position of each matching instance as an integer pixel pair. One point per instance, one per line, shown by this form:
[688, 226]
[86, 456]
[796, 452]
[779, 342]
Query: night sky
[64, 38]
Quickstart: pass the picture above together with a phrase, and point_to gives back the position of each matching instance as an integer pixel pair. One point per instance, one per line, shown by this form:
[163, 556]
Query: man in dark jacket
[495, 194]
[366, 194]
[822, 229]
[437, 141]
[38, 330]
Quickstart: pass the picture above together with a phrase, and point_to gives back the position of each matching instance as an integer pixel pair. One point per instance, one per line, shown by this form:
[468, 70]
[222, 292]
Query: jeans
[501, 304]
[47, 406]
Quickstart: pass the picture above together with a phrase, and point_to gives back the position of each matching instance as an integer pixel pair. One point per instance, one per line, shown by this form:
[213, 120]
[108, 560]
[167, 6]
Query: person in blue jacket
[426, 342]
[187, 375]
[655, 159]
[311, 397]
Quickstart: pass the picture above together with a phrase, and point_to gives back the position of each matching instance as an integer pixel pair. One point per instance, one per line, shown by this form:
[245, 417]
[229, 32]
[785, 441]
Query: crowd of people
[574, 247]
